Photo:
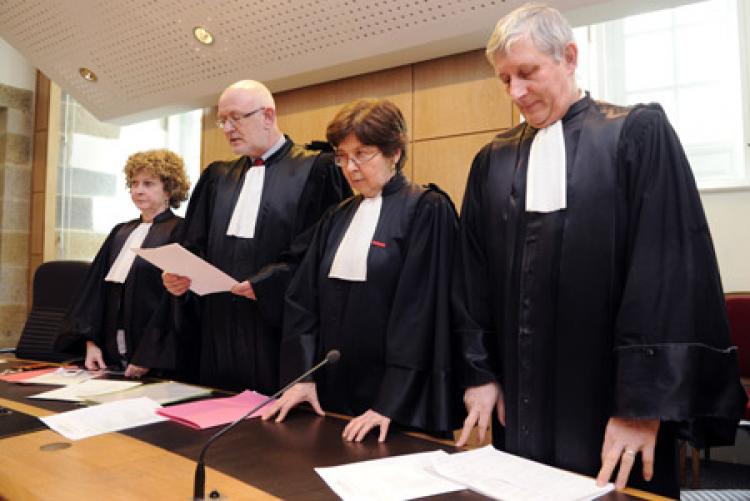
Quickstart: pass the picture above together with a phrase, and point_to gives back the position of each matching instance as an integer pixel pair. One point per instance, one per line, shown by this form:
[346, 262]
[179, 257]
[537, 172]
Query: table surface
[256, 460]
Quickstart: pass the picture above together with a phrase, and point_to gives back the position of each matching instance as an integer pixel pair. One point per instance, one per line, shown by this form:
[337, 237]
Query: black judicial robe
[611, 307]
[393, 329]
[239, 339]
[104, 307]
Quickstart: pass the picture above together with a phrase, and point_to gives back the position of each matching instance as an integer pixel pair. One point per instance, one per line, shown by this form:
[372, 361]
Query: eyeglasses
[360, 157]
[220, 123]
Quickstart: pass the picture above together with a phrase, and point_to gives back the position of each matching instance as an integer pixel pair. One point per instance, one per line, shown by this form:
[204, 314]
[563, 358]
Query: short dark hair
[374, 122]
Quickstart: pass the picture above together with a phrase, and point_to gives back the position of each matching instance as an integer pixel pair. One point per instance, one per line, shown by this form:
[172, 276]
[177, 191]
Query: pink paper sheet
[214, 411]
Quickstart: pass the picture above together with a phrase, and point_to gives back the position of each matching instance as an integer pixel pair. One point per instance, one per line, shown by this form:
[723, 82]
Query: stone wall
[16, 129]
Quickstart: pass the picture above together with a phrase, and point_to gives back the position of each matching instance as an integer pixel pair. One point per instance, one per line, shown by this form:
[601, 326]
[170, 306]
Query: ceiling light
[87, 74]
[203, 35]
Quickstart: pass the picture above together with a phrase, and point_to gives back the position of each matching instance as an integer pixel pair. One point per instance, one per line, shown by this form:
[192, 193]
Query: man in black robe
[587, 297]
[246, 221]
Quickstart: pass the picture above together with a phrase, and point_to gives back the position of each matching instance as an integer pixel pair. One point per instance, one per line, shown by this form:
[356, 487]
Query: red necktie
[258, 161]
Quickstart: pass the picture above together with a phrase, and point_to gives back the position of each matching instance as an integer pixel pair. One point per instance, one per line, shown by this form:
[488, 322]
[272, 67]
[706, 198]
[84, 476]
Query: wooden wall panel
[446, 162]
[42, 245]
[458, 95]
[305, 113]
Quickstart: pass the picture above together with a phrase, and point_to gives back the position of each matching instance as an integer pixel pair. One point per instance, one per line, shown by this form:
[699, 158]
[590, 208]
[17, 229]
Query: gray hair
[546, 28]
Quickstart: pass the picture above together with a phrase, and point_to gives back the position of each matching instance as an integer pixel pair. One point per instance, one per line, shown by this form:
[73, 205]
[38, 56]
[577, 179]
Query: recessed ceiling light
[203, 35]
[87, 74]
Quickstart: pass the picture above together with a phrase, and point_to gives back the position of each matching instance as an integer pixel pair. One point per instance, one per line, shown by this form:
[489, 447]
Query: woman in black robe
[121, 291]
[374, 285]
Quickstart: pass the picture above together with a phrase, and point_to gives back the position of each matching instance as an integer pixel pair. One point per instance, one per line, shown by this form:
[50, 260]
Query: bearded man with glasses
[243, 216]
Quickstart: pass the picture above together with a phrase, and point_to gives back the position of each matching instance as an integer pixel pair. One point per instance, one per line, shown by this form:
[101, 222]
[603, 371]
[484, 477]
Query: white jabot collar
[350, 262]
[124, 261]
[546, 183]
[245, 213]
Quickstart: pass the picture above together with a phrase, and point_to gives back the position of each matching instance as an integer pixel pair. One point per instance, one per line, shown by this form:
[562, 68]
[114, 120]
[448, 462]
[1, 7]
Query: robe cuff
[476, 367]
[73, 336]
[692, 383]
[419, 399]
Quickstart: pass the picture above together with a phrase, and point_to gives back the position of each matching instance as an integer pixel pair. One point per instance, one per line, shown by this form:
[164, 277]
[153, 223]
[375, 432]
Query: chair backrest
[56, 284]
[738, 310]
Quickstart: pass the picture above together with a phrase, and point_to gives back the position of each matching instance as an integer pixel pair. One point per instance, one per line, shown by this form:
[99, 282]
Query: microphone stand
[199, 484]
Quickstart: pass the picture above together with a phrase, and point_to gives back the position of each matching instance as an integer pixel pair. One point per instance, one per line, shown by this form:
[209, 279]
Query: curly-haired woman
[122, 291]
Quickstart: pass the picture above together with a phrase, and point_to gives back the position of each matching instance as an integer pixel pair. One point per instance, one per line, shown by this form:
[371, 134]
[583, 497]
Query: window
[91, 192]
[691, 60]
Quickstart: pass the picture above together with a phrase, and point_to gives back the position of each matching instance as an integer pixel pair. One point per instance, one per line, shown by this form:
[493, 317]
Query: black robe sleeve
[417, 387]
[84, 320]
[299, 345]
[157, 347]
[194, 232]
[178, 318]
[472, 318]
[673, 352]
[325, 188]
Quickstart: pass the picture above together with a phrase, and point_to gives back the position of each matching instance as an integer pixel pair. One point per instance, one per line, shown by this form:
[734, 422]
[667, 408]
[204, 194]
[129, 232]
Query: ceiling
[149, 64]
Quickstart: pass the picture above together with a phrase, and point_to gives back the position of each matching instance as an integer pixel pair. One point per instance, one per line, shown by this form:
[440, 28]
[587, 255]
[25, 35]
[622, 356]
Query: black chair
[56, 284]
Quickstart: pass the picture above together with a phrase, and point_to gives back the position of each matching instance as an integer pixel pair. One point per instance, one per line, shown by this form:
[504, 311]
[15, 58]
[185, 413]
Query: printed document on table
[504, 476]
[392, 478]
[205, 278]
[104, 418]
[83, 391]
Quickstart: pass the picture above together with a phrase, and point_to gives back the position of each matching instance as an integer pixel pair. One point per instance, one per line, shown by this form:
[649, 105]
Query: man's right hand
[177, 285]
[480, 401]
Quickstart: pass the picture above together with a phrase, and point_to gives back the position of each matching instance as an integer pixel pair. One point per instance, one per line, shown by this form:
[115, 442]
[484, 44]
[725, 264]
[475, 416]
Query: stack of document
[163, 393]
[11, 376]
[214, 411]
[488, 471]
[86, 390]
[63, 376]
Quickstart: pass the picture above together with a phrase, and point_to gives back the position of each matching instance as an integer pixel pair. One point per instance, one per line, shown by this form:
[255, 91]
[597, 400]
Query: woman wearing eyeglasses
[374, 284]
[122, 291]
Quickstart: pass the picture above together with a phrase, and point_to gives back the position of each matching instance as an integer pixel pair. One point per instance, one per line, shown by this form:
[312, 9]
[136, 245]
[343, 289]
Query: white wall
[728, 214]
[14, 69]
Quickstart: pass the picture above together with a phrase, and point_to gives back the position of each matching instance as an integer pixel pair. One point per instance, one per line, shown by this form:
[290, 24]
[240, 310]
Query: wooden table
[257, 460]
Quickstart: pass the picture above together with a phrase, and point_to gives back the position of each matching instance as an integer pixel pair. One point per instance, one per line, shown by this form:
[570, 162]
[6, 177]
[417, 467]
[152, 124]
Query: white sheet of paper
[62, 376]
[173, 258]
[104, 418]
[504, 476]
[80, 392]
[392, 478]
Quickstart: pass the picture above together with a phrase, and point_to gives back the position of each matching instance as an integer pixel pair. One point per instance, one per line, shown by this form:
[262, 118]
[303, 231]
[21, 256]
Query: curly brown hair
[165, 165]
[374, 122]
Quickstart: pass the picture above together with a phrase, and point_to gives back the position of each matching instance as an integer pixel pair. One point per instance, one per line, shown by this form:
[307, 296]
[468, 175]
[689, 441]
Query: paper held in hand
[205, 278]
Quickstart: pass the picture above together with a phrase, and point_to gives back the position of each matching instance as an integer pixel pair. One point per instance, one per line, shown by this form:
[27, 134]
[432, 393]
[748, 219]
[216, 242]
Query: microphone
[199, 484]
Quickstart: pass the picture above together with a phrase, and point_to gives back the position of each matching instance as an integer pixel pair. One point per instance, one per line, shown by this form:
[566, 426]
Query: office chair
[55, 286]
[738, 310]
